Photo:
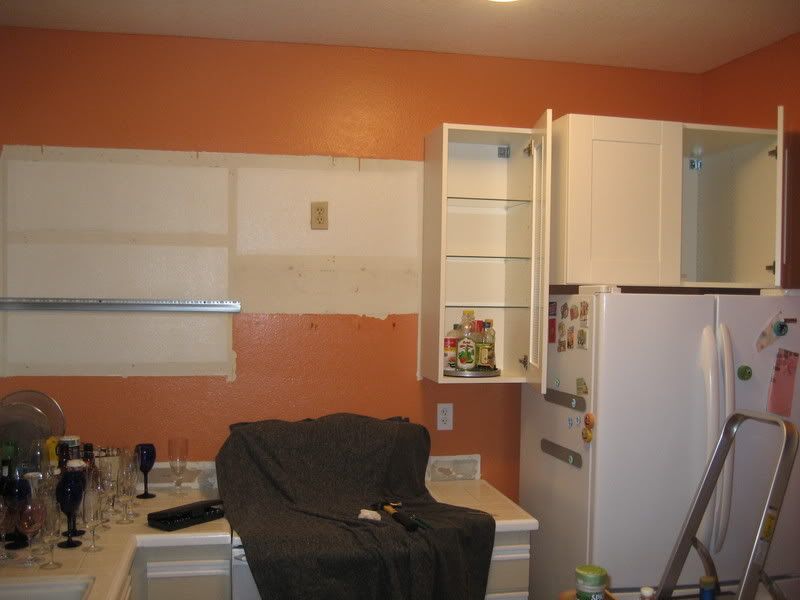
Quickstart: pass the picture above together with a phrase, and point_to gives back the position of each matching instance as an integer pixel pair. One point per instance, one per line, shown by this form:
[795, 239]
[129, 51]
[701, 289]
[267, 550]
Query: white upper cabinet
[616, 201]
[485, 244]
[654, 203]
[732, 205]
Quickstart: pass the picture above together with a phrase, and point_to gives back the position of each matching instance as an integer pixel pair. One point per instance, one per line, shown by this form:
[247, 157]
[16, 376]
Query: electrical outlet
[444, 416]
[319, 215]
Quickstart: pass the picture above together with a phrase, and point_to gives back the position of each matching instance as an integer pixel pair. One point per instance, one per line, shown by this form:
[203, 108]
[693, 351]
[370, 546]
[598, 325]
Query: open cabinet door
[781, 232]
[541, 147]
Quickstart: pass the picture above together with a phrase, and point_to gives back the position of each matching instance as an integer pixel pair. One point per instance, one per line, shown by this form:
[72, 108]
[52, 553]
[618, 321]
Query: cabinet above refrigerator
[657, 203]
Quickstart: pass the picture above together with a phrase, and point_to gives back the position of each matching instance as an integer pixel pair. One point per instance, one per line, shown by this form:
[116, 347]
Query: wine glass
[51, 532]
[29, 521]
[69, 493]
[92, 515]
[17, 493]
[178, 453]
[147, 458]
[109, 478]
[37, 456]
[126, 488]
[6, 524]
[103, 486]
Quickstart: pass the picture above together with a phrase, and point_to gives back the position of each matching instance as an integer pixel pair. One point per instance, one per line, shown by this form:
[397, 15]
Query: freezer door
[756, 446]
[649, 449]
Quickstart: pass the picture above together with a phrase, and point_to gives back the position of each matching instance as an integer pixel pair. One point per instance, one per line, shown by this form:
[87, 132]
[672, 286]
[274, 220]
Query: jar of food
[590, 582]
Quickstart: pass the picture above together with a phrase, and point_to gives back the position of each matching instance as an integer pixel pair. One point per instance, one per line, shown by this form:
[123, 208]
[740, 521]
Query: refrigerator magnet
[583, 338]
[781, 384]
[571, 337]
[584, 313]
[581, 387]
[770, 333]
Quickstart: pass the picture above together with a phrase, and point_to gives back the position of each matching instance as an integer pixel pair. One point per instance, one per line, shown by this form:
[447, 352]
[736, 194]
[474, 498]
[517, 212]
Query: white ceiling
[674, 35]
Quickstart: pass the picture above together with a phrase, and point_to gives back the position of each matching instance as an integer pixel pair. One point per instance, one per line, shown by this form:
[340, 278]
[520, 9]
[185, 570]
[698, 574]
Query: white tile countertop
[111, 566]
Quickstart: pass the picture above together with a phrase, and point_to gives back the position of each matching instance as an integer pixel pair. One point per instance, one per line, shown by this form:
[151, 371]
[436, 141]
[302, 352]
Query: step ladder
[754, 571]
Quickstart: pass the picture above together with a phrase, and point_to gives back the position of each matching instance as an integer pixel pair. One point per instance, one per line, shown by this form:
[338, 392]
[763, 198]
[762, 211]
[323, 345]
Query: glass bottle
[485, 343]
[465, 350]
[489, 337]
[451, 346]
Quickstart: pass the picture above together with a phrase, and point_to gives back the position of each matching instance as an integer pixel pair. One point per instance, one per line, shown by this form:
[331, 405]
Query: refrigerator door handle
[709, 361]
[725, 495]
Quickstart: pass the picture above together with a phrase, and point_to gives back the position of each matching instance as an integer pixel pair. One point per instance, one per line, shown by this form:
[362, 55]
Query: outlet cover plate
[319, 215]
[444, 416]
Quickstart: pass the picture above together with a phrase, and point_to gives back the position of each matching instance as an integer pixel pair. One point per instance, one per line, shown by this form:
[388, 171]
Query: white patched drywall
[86, 223]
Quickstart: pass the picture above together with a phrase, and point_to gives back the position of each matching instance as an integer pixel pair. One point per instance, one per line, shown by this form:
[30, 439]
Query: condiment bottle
[465, 356]
[451, 346]
[486, 356]
[590, 582]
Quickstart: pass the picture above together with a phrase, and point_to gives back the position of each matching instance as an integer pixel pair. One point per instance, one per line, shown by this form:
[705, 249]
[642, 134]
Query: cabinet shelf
[484, 305]
[485, 257]
[466, 202]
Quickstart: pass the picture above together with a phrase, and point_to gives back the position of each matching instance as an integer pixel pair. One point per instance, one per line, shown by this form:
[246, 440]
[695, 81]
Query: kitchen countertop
[111, 566]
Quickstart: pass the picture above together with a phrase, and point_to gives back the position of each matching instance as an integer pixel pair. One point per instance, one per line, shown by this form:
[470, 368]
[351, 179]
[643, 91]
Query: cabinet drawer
[509, 569]
[190, 579]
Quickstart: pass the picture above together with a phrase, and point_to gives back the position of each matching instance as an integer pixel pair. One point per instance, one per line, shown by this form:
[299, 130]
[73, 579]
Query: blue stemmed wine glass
[147, 458]
[17, 493]
[69, 493]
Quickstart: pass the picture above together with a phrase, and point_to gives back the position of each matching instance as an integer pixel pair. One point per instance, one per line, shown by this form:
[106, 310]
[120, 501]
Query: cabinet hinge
[774, 152]
[524, 361]
[695, 164]
[770, 268]
[528, 150]
[504, 152]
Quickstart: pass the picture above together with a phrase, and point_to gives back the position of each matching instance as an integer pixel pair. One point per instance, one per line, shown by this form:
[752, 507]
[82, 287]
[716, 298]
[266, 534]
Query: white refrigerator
[658, 373]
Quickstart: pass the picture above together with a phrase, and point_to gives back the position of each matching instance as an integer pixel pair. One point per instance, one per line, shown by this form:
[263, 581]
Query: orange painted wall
[106, 90]
[293, 367]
